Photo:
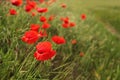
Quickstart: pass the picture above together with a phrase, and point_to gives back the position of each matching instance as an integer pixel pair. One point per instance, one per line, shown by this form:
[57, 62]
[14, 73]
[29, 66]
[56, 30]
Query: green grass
[100, 62]
[110, 16]
[107, 11]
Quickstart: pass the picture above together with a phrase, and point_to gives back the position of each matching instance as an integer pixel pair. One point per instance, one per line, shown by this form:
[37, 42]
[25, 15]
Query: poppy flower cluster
[33, 34]
[44, 50]
[67, 23]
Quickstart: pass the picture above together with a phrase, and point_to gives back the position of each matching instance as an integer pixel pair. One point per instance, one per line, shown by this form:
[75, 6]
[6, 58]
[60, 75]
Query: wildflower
[63, 5]
[34, 27]
[43, 18]
[30, 37]
[72, 24]
[65, 25]
[83, 16]
[45, 25]
[28, 8]
[43, 33]
[12, 12]
[32, 4]
[42, 10]
[16, 2]
[65, 20]
[44, 51]
[45, 55]
[45, 46]
[58, 39]
[51, 17]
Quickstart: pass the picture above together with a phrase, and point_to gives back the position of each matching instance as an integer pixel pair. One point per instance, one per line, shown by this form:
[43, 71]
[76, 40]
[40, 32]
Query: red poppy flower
[44, 47]
[34, 27]
[65, 20]
[72, 24]
[28, 8]
[45, 25]
[43, 33]
[43, 18]
[16, 2]
[83, 16]
[45, 55]
[30, 37]
[51, 17]
[32, 4]
[58, 39]
[63, 5]
[12, 12]
[42, 10]
[65, 25]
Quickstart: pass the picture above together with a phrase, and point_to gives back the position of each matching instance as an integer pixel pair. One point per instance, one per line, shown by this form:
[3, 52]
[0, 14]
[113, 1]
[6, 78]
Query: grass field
[101, 48]
[107, 11]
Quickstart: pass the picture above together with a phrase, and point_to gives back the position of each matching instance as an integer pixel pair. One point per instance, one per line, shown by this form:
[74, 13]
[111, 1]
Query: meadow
[94, 56]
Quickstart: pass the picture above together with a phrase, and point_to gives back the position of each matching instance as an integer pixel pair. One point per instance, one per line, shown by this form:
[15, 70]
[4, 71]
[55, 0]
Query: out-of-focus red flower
[16, 2]
[42, 10]
[30, 37]
[34, 27]
[72, 24]
[45, 25]
[41, 1]
[51, 17]
[27, 1]
[32, 4]
[28, 8]
[65, 20]
[45, 46]
[58, 39]
[33, 14]
[73, 41]
[45, 55]
[81, 54]
[43, 33]
[12, 12]
[63, 5]
[65, 25]
[43, 19]
[83, 16]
